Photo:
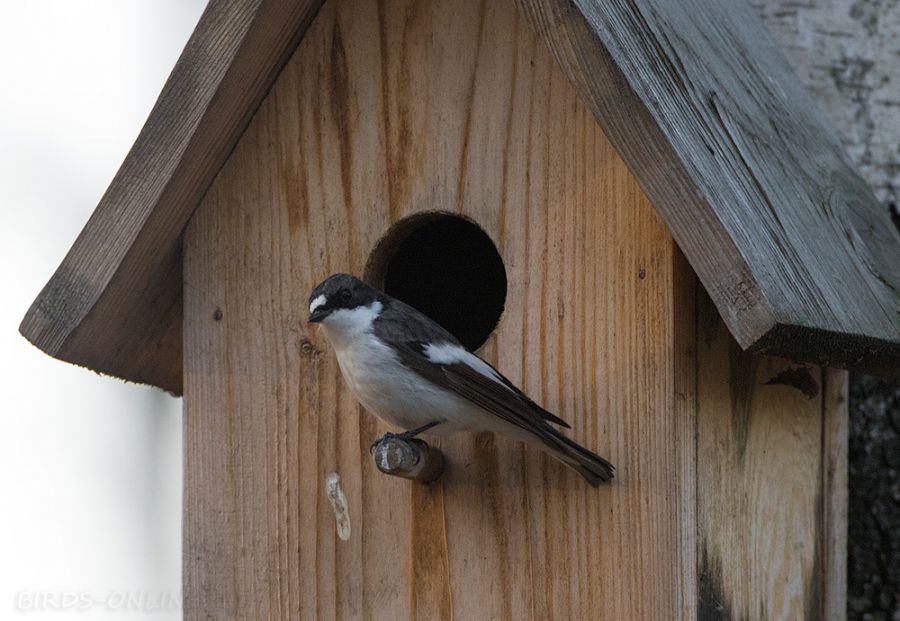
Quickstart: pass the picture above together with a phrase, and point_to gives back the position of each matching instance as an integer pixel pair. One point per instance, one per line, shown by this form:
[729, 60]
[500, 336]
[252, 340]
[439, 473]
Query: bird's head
[339, 292]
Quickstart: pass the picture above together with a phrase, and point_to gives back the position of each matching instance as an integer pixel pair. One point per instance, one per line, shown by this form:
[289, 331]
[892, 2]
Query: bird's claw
[406, 436]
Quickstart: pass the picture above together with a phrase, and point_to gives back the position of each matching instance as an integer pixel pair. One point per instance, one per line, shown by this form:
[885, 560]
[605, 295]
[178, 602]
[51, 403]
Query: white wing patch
[447, 353]
[319, 301]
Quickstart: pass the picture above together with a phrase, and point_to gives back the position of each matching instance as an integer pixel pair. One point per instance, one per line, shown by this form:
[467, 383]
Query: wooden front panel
[771, 486]
[387, 109]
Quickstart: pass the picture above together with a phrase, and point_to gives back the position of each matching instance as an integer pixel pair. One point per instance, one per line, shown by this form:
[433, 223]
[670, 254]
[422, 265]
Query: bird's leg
[412, 433]
[407, 435]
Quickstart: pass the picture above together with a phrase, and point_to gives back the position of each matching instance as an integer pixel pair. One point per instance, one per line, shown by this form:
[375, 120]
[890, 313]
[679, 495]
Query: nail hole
[445, 266]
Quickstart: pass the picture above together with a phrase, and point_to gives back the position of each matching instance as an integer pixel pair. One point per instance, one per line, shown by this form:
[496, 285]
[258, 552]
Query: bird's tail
[591, 466]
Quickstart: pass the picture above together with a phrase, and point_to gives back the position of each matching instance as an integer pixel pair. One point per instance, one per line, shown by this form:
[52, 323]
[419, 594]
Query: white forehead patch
[319, 301]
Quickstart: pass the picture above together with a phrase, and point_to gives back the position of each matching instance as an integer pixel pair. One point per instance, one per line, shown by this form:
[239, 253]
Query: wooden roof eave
[788, 240]
[114, 304]
[790, 243]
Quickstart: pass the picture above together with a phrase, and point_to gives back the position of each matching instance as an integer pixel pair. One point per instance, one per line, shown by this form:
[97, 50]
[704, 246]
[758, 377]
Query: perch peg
[408, 458]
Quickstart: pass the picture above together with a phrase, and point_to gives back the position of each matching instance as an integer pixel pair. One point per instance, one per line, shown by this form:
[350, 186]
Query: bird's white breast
[378, 379]
[395, 393]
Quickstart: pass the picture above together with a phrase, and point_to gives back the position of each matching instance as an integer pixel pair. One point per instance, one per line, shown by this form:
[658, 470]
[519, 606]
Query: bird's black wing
[414, 336]
[410, 332]
[495, 395]
[512, 406]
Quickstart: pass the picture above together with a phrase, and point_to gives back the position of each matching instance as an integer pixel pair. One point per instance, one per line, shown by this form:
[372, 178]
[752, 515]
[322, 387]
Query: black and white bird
[410, 372]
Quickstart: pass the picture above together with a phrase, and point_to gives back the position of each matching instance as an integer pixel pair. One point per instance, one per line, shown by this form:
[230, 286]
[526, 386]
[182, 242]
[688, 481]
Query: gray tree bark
[847, 54]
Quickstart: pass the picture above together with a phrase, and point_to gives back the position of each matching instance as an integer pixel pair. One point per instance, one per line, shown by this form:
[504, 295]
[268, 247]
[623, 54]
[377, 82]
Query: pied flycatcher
[410, 372]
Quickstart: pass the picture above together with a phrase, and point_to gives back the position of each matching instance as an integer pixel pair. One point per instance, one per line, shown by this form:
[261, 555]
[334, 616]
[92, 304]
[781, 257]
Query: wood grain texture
[685, 291]
[835, 490]
[115, 304]
[771, 483]
[791, 244]
[389, 108]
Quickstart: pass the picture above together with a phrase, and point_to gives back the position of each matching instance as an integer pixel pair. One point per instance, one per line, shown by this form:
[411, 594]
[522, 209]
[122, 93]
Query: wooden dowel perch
[411, 459]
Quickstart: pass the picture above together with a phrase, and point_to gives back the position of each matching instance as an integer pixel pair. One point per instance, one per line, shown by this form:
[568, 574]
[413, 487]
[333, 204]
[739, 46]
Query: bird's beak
[317, 315]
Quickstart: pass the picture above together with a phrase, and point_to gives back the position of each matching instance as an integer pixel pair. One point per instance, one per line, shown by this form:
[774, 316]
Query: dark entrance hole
[447, 267]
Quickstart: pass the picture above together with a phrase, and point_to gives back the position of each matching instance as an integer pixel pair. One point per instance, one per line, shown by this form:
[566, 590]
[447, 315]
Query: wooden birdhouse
[631, 209]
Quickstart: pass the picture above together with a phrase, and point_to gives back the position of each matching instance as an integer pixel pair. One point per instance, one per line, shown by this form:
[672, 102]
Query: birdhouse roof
[789, 241]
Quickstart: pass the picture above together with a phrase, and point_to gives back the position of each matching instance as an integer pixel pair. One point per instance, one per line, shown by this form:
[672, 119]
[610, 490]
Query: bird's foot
[405, 436]
[388, 436]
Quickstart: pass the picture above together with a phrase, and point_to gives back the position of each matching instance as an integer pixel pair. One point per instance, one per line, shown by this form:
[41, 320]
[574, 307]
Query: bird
[409, 371]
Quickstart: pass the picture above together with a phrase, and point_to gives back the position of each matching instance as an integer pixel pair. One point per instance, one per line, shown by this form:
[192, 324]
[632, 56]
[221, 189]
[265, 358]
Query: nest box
[630, 208]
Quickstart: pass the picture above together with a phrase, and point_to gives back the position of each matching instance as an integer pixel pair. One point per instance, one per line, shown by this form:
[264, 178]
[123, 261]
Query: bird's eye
[345, 295]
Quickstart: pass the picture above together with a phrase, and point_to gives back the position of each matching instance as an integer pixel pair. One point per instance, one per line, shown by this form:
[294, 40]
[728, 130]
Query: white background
[90, 468]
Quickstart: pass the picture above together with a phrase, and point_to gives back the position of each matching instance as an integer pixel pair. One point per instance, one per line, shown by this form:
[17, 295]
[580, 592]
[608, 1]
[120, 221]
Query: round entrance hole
[445, 266]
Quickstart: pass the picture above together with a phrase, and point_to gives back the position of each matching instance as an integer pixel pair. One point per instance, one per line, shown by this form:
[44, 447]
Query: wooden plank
[685, 291]
[835, 490]
[791, 244]
[114, 304]
[388, 108]
[771, 482]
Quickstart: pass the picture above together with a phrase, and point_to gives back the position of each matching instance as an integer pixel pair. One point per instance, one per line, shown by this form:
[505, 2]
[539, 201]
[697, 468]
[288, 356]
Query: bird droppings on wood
[799, 378]
[339, 503]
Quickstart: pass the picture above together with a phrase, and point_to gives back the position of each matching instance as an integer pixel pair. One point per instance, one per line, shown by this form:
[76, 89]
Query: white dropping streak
[447, 353]
[339, 504]
[319, 301]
